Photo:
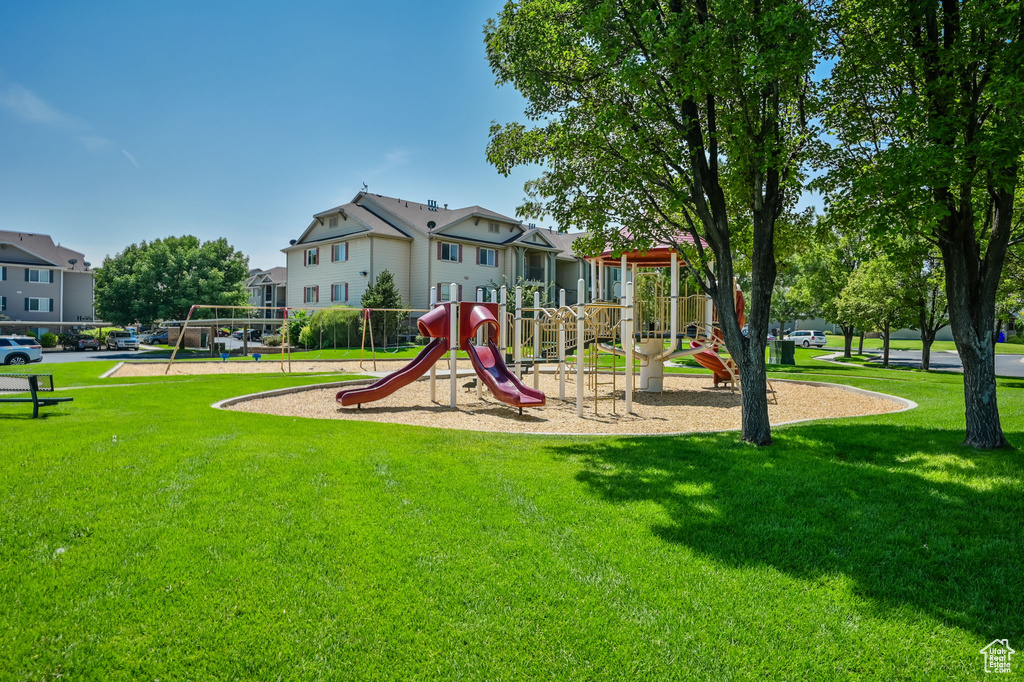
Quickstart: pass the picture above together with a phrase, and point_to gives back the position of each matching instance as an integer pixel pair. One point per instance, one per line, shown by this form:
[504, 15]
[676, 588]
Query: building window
[3, 273]
[333, 222]
[445, 289]
[450, 252]
[493, 227]
[487, 257]
[339, 292]
[39, 305]
[311, 295]
[3, 303]
[339, 252]
[312, 256]
[34, 275]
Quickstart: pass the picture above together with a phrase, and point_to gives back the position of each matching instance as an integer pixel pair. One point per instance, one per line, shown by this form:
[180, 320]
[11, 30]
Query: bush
[48, 340]
[306, 337]
[335, 328]
[272, 340]
[297, 321]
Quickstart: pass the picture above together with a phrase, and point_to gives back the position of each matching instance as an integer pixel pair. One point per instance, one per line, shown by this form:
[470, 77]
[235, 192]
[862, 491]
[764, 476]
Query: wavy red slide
[504, 384]
[422, 363]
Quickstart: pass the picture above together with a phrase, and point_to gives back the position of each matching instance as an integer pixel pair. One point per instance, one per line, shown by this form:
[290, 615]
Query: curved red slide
[709, 360]
[430, 354]
[504, 384]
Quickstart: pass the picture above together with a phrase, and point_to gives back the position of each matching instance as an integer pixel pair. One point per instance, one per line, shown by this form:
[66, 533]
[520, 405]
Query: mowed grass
[837, 341]
[201, 543]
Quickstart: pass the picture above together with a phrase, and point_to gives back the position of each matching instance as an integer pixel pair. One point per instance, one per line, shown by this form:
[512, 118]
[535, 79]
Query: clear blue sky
[130, 121]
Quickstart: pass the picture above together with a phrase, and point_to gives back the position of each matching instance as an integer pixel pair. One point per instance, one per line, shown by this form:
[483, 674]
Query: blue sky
[122, 122]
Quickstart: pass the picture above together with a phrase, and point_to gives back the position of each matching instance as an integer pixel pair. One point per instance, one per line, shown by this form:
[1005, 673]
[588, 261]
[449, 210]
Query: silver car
[19, 350]
[807, 338]
[122, 341]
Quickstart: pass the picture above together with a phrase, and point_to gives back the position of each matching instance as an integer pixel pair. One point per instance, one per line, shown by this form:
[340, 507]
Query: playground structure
[633, 310]
[644, 325]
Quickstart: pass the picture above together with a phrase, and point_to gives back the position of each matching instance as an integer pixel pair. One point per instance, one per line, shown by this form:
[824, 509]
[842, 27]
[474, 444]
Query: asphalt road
[1006, 365]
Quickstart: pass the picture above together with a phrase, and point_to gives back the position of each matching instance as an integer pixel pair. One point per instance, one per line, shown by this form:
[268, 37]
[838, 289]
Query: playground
[595, 367]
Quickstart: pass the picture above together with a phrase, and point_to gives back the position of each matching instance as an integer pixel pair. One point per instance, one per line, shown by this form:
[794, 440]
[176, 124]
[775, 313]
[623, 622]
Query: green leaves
[163, 279]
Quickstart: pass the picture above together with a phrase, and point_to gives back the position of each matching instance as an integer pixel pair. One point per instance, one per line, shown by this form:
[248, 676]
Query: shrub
[48, 340]
[272, 340]
[306, 337]
[335, 328]
[297, 321]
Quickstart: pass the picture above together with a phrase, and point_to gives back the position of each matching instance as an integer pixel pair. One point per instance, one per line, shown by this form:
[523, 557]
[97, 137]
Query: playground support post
[579, 350]
[593, 280]
[453, 342]
[627, 342]
[674, 293]
[479, 334]
[561, 348]
[517, 334]
[502, 322]
[433, 368]
[536, 339]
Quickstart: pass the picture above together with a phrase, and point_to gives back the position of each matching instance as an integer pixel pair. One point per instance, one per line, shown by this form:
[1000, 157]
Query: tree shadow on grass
[942, 533]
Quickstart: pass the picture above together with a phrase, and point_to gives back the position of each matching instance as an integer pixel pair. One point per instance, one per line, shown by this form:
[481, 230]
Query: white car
[19, 350]
[122, 341]
[807, 338]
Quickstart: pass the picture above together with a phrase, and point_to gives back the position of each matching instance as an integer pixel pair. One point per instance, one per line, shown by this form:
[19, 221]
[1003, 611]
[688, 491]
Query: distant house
[42, 282]
[424, 245]
[268, 288]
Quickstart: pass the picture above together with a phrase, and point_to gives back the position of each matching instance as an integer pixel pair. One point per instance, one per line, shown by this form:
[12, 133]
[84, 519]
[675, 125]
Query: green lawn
[200, 543]
[837, 341]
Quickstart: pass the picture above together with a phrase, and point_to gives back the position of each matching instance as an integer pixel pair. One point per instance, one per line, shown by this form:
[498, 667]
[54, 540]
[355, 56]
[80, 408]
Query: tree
[383, 293]
[163, 279]
[875, 297]
[928, 295]
[668, 117]
[925, 103]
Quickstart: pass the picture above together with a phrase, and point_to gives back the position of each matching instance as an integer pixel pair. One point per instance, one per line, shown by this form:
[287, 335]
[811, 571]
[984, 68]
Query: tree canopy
[163, 279]
[670, 117]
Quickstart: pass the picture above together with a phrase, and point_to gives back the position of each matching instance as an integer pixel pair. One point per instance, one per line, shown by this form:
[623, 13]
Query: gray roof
[42, 246]
[277, 275]
[419, 215]
[560, 240]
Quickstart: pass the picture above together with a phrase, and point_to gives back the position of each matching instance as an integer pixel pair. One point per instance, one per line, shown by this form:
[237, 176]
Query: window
[339, 252]
[333, 222]
[312, 256]
[452, 252]
[445, 288]
[39, 305]
[3, 303]
[487, 257]
[33, 275]
[493, 227]
[311, 295]
[339, 292]
[3, 273]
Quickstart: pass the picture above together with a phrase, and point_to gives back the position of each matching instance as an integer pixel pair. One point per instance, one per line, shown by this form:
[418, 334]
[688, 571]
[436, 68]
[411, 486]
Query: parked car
[254, 334]
[80, 342]
[122, 341]
[20, 350]
[156, 337]
[807, 338]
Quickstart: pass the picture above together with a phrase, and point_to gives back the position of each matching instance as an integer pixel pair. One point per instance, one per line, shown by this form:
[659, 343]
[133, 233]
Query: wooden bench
[29, 383]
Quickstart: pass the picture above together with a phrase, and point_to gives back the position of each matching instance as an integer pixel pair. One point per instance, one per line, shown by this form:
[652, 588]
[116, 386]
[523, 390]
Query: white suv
[122, 341]
[19, 350]
[807, 338]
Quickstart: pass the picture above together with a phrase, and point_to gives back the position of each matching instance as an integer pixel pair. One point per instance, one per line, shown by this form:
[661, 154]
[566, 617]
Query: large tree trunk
[847, 341]
[860, 349]
[971, 282]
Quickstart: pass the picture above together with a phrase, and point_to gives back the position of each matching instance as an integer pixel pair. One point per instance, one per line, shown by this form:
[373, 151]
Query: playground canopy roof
[659, 256]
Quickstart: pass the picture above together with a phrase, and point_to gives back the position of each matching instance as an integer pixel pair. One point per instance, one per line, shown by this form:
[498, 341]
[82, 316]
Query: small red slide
[430, 354]
[504, 384]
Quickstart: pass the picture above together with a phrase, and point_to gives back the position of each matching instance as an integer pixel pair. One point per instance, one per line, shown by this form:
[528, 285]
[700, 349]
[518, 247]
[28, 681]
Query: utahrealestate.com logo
[997, 656]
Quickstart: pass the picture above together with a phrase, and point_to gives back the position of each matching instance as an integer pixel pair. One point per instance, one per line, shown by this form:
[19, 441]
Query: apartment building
[424, 245]
[42, 282]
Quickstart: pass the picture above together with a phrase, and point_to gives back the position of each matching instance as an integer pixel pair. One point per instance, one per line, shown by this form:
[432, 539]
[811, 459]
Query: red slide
[430, 354]
[505, 385]
[709, 360]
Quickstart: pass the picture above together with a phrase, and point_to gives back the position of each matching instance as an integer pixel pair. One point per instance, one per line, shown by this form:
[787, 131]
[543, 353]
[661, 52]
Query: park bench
[29, 383]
